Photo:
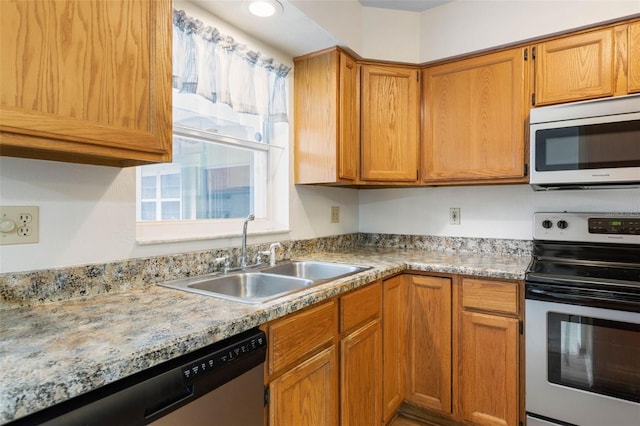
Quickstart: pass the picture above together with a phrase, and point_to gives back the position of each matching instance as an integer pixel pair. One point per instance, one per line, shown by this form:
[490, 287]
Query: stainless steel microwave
[589, 144]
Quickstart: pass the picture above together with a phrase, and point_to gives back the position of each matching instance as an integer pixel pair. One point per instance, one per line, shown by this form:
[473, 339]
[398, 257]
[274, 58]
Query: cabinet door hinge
[521, 327]
[526, 169]
[526, 53]
[533, 53]
[266, 396]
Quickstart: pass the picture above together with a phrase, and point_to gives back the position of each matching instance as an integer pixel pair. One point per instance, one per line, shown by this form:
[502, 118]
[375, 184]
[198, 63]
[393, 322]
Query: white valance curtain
[214, 66]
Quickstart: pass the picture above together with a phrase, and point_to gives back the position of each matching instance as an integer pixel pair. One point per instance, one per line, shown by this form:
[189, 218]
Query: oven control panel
[587, 227]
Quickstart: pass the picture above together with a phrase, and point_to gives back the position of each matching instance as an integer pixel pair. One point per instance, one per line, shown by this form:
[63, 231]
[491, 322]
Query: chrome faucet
[243, 255]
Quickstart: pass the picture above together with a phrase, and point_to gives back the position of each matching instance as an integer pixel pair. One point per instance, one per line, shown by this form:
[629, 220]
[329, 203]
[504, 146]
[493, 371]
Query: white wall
[486, 211]
[87, 213]
[454, 28]
[465, 26]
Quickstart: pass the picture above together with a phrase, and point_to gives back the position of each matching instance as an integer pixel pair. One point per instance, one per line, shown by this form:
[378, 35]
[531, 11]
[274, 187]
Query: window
[230, 137]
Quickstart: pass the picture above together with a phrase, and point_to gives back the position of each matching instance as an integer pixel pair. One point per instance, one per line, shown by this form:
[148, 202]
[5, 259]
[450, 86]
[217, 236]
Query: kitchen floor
[406, 421]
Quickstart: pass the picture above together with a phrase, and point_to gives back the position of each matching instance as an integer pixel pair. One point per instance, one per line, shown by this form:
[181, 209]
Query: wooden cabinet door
[390, 108]
[474, 120]
[86, 81]
[634, 57]
[575, 68]
[326, 126]
[488, 375]
[360, 376]
[307, 394]
[393, 335]
[429, 342]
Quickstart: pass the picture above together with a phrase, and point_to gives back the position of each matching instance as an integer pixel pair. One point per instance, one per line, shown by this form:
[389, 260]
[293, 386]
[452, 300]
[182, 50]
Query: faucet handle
[272, 253]
[259, 256]
[224, 261]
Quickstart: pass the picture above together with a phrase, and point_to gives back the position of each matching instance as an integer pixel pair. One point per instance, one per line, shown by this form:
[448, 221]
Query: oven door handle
[575, 296]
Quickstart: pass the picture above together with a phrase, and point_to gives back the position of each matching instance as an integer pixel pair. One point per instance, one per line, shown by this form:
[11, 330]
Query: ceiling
[410, 5]
[292, 31]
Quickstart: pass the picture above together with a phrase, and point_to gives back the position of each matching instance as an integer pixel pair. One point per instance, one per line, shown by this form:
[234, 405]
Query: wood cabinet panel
[326, 126]
[487, 295]
[429, 342]
[488, 375]
[474, 120]
[294, 338]
[393, 352]
[360, 306]
[390, 108]
[575, 67]
[634, 57]
[361, 376]
[95, 86]
[308, 393]
[349, 103]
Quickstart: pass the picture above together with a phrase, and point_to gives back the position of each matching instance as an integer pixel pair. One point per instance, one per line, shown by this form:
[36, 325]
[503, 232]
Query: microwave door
[586, 152]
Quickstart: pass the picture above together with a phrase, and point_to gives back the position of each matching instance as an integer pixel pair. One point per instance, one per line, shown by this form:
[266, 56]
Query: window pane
[190, 110]
[170, 210]
[148, 187]
[209, 180]
[148, 210]
[170, 185]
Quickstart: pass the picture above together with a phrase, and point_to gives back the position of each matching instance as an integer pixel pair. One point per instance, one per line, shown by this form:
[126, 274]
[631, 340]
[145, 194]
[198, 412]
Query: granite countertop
[52, 352]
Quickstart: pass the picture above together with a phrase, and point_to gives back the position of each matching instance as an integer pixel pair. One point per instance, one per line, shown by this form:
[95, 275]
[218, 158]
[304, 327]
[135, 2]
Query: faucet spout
[243, 255]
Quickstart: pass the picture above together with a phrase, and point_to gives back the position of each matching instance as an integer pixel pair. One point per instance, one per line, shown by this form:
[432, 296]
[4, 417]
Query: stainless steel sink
[313, 270]
[245, 287]
[265, 284]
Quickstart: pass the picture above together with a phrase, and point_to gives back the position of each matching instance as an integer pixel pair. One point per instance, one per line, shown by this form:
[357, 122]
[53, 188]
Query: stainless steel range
[583, 320]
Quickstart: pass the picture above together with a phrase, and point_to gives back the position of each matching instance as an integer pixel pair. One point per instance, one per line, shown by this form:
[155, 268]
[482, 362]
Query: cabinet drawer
[486, 295]
[297, 336]
[360, 306]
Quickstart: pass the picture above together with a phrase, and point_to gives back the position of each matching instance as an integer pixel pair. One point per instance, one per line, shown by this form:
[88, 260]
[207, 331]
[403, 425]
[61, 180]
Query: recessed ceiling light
[265, 8]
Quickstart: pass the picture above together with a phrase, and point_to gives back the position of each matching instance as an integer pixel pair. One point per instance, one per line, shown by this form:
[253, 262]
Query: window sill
[149, 233]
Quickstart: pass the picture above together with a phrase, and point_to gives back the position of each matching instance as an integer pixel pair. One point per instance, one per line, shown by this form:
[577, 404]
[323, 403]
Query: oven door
[582, 365]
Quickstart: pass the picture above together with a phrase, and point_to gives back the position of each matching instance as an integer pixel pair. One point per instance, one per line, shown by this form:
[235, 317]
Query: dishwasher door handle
[169, 403]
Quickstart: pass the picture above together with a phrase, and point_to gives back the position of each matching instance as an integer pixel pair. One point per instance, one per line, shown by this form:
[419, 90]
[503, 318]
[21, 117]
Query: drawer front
[294, 338]
[360, 307]
[487, 295]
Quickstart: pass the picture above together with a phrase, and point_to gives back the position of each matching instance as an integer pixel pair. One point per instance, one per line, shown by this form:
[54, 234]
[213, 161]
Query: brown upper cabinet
[474, 119]
[331, 91]
[326, 127]
[390, 120]
[634, 57]
[363, 128]
[587, 65]
[86, 82]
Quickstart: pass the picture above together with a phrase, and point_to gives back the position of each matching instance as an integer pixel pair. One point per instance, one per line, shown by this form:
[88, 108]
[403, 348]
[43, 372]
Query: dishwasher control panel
[224, 356]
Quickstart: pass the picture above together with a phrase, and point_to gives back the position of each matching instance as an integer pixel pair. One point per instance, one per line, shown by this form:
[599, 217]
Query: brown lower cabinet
[463, 353]
[444, 343]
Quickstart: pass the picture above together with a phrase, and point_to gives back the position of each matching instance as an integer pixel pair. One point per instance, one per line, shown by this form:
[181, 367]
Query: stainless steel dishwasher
[219, 385]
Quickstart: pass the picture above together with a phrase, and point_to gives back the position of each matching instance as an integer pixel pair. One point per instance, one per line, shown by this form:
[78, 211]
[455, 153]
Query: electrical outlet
[19, 224]
[454, 216]
[335, 214]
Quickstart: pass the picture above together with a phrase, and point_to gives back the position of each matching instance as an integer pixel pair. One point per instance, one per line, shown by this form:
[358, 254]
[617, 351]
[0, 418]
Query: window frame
[274, 221]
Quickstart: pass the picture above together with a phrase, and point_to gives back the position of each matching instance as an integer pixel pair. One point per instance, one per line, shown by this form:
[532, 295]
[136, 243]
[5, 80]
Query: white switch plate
[19, 224]
[454, 216]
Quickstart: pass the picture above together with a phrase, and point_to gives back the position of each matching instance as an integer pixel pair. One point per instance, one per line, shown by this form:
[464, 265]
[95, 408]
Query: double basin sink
[264, 284]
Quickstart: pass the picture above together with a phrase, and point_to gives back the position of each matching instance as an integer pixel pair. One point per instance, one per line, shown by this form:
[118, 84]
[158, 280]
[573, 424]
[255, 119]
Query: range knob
[547, 224]
[562, 224]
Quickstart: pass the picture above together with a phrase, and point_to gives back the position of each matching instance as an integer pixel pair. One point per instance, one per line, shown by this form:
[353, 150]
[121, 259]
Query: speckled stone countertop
[55, 351]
